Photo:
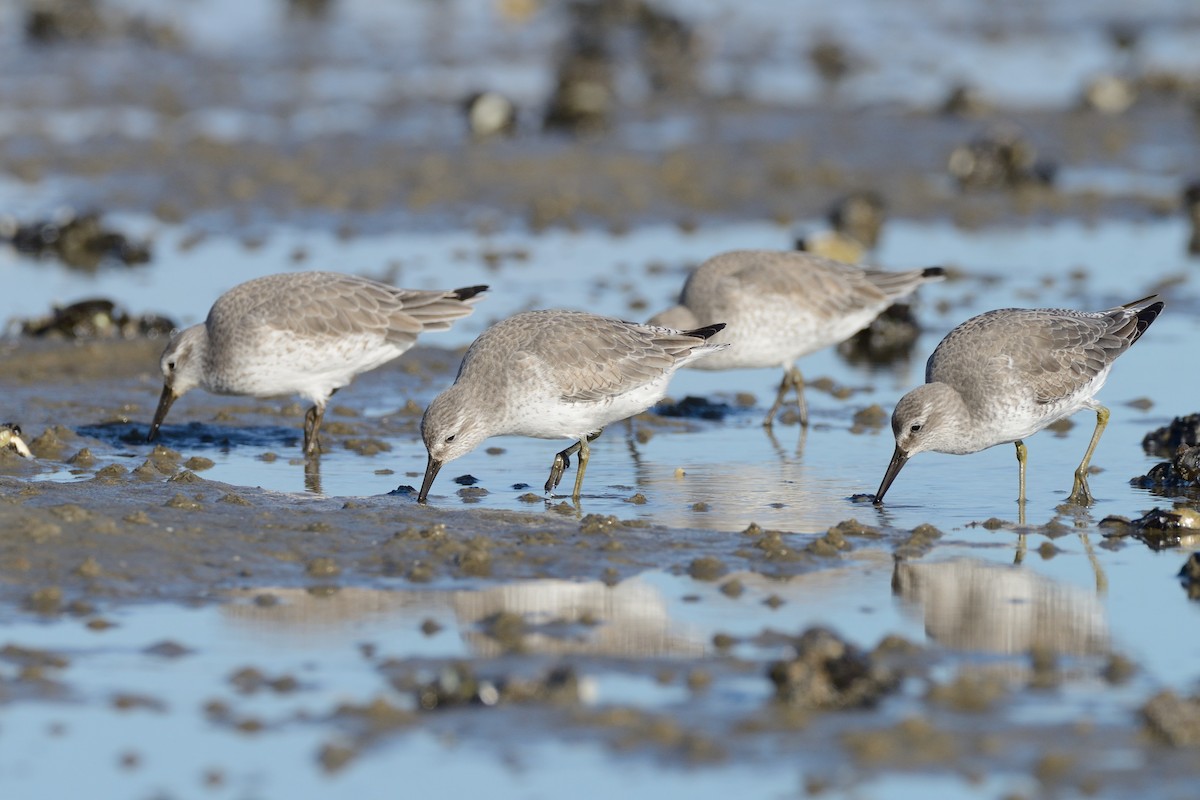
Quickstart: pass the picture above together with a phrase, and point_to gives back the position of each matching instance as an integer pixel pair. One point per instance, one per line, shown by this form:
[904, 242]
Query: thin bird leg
[562, 460]
[312, 476]
[312, 424]
[585, 453]
[1097, 570]
[792, 379]
[1080, 493]
[1022, 455]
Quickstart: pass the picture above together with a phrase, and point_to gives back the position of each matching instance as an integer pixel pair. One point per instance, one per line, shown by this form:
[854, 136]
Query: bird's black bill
[897, 462]
[164, 405]
[431, 471]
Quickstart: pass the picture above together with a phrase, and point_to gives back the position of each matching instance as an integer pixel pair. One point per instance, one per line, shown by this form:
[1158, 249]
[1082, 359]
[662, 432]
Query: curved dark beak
[431, 471]
[898, 459]
[164, 405]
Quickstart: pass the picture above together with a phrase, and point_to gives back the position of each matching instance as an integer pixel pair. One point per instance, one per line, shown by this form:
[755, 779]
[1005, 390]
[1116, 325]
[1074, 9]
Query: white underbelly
[554, 418]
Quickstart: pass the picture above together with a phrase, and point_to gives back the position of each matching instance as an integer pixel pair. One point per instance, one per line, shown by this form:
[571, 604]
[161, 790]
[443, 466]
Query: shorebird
[555, 375]
[1004, 375]
[304, 333]
[781, 305]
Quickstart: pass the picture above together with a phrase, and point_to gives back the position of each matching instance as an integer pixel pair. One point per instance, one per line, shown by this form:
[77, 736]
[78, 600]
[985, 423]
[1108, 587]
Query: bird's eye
[171, 366]
[450, 438]
[916, 428]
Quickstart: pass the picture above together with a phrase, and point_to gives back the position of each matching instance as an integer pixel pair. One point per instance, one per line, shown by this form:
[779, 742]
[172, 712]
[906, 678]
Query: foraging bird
[305, 333]
[555, 375]
[1004, 375]
[781, 305]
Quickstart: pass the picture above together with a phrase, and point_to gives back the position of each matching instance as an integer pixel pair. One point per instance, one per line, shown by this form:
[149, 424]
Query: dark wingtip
[933, 272]
[707, 332]
[1147, 316]
[467, 292]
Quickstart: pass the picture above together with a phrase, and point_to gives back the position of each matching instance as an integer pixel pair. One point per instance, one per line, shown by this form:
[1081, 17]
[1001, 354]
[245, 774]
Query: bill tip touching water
[555, 375]
[304, 333]
[1004, 375]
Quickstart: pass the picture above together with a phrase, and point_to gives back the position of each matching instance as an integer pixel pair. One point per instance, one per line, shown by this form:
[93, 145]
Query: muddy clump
[49, 22]
[584, 96]
[96, 318]
[1189, 576]
[832, 60]
[828, 672]
[1164, 441]
[1160, 529]
[79, 241]
[1181, 472]
[1173, 719]
[1191, 208]
[692, 407]
[457, 685]
[1004, 159]
[602, 35]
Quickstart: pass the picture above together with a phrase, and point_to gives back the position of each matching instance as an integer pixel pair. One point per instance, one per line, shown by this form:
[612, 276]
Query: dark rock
[1165, 441]
[79, 241]
[692, 407]
[1159, 529]
[97, 318]
[1189, 576]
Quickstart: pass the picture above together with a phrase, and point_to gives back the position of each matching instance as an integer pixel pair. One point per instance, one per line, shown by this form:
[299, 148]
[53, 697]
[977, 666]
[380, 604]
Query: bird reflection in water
[555, 616]
[983, 607]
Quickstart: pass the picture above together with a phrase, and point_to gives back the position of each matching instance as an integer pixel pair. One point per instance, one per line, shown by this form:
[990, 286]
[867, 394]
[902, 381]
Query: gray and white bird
[781, 305]
[1004, 375]
[302, 333]
[555, 375]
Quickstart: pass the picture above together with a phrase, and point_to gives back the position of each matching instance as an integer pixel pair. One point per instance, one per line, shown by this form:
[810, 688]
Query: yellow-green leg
[1022, 457]
[585, 453]
[312, 426]
[562, 460]
[1080, 493]
[792, 379]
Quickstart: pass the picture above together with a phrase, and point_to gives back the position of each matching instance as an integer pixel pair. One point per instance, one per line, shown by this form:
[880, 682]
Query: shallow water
[125, 717]
[130, 706]
[787, 480]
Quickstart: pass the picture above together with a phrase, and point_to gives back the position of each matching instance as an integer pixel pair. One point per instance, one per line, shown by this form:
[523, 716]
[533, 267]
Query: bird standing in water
[304, 333]
[781, 305]
[1004, 375]
[555, 375]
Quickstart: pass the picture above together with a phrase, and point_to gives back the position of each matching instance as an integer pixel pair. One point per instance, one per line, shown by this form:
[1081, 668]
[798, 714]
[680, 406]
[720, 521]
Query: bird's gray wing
[1061, 351]
[323, 305]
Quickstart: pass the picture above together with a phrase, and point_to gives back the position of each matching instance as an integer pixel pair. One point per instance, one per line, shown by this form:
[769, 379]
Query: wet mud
[141, 525]
[844, 659]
